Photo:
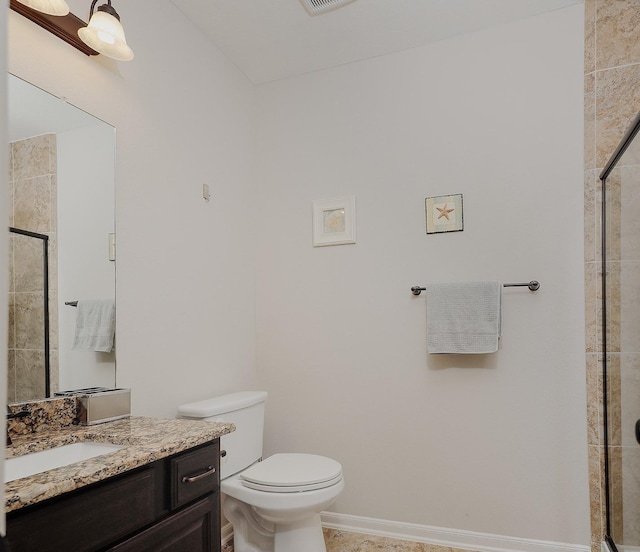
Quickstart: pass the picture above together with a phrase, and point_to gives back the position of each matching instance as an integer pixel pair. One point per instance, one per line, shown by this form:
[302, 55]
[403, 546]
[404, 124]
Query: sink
[37, 462]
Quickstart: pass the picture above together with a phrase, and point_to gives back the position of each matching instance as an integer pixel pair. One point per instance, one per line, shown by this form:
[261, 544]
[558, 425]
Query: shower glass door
[621, 344]
[29, 372]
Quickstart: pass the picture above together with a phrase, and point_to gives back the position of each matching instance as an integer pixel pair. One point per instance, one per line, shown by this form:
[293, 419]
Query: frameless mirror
[61, 214]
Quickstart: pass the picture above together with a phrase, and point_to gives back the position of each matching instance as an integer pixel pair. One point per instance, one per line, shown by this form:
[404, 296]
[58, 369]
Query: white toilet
[275, 504]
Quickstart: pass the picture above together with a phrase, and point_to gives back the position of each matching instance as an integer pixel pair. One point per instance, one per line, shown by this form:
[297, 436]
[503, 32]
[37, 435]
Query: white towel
[464, 318]
[95, 325]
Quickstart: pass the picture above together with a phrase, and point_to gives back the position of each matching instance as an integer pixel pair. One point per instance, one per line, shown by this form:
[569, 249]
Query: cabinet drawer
[195, 474]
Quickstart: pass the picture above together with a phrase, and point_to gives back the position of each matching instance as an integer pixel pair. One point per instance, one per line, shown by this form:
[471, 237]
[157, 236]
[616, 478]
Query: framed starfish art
[444, 214]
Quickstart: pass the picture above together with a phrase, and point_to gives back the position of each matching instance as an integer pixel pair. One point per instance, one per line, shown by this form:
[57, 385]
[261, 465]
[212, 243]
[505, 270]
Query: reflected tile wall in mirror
[32, 207]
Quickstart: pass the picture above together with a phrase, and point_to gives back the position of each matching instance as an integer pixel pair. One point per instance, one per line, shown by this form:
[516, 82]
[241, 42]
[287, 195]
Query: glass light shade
[50, 7]
[106, 36]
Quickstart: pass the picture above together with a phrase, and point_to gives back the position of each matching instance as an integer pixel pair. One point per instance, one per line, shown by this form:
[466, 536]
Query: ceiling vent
[315, 7]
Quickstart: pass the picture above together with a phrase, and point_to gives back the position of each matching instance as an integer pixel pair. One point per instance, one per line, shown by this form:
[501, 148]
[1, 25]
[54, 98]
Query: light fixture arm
[64, 27]
[107, 8]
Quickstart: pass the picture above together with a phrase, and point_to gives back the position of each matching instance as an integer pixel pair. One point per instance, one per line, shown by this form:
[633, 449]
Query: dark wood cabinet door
[87, 521]
[193, 529]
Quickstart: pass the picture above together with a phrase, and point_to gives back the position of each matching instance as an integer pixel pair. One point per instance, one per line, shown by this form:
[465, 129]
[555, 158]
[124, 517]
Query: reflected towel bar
[71, 303]
[533, 285]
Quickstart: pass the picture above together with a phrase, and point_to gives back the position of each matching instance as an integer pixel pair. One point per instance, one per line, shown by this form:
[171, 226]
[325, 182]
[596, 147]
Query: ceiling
[275, 39]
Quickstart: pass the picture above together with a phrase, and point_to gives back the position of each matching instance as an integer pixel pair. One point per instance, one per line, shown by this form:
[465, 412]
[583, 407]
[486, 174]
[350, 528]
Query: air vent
[315, 7]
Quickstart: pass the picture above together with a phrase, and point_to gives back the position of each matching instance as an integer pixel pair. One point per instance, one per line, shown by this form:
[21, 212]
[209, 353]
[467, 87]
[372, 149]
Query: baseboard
[621, 547]
[450, 538]
[226, 533]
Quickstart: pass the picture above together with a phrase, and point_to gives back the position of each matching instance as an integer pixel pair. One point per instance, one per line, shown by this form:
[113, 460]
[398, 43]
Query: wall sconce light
[50, 7]
[105, 34]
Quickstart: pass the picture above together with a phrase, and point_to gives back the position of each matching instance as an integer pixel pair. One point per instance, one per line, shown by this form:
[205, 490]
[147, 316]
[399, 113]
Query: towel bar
[533, 285]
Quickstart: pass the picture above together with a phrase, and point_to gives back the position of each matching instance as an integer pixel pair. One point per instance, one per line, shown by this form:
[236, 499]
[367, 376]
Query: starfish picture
[444, 212]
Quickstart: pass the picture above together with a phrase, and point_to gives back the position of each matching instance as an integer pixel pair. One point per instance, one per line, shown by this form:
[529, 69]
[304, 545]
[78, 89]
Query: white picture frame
[334, 221]
[444, 214]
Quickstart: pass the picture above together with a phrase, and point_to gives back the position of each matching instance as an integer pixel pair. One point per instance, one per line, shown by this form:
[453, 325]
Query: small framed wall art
[334, 221]
[444, 214]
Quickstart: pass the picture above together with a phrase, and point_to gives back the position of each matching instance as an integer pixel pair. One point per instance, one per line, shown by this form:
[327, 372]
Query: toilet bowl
[273, 504]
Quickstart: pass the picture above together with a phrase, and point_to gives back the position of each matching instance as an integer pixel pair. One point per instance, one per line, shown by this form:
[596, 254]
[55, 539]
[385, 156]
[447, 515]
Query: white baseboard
[621, 547]
[451, 538]
[226, 533]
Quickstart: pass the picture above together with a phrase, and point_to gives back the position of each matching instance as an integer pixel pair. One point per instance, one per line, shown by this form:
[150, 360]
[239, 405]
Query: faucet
[13, 415]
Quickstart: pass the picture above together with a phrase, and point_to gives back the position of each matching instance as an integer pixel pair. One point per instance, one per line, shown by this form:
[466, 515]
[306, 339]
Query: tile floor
[343, 541]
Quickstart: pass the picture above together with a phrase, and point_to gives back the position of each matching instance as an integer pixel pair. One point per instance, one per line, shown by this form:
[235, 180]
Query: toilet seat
[292, 473]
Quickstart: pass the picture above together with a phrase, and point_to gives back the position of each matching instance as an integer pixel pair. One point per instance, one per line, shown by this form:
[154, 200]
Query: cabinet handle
[193, 478]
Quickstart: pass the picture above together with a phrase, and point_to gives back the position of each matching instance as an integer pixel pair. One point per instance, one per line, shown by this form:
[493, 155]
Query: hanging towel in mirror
[464, 318]
[95, 325]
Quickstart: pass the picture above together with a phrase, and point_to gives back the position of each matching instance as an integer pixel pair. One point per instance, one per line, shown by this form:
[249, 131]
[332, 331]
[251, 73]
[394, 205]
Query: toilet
[273, 504]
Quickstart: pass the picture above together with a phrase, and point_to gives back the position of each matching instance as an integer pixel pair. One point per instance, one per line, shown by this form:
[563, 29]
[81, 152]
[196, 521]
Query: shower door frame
[624, 144]
[45, 285]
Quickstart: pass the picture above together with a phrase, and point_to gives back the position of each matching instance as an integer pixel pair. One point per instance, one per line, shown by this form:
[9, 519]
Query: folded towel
[95, 325]
[464, 318]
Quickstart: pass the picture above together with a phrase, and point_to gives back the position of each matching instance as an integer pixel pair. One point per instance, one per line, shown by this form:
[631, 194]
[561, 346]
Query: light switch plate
[112, 247]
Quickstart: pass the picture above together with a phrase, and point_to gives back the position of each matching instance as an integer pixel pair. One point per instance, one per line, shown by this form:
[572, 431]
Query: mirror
[61, 188]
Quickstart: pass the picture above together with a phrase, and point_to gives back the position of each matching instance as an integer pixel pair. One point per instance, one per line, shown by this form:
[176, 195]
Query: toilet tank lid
[222, 404]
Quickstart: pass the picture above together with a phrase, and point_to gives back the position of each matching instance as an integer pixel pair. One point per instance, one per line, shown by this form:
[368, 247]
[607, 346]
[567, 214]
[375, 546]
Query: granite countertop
[145, 440]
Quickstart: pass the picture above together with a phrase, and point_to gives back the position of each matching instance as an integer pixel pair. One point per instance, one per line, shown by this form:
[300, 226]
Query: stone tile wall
[32, 207]
[612, 99]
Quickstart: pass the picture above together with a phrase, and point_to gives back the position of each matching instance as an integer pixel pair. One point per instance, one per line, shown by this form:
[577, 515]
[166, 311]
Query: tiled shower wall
[32, 207]
[612, 99]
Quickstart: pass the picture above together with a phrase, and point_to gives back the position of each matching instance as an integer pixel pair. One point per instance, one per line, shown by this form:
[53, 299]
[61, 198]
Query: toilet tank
[244, 409]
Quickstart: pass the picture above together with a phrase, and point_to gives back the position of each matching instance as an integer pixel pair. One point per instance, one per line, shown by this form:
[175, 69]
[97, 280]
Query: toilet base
[250, 533]
[304, 535]
[254, 533]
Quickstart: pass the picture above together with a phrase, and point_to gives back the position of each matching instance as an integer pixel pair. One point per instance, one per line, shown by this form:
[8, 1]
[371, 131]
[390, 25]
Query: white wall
[86, 217]
[185, 270]
[493, 443]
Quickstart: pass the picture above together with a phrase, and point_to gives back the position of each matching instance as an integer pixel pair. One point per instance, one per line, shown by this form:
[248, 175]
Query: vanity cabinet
[192, 529]
[171, 505]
